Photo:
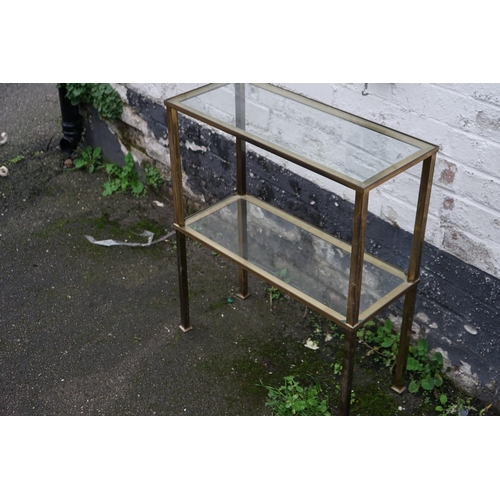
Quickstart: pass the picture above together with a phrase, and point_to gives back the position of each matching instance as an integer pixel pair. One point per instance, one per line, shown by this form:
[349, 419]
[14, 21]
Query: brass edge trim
[384, 301]
[213, 208]
[265, 275]
[178, 99]
[397, 168]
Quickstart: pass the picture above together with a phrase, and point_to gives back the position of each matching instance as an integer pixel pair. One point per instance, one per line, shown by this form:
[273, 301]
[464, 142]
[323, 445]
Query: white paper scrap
[311, 344]
[147, 234]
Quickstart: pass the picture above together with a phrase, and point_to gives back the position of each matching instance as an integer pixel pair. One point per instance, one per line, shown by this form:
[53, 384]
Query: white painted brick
[445, 172]
[486, 92]
[471, 218]
[434, 102]
[152, 90]
[121, 89]
[257, 118]
[322, 92]
[219, 104]
[488, 160]
[404, 186]
[471, 249]
[162, 91]
[133, 119]
[475, 186]
[157, 151]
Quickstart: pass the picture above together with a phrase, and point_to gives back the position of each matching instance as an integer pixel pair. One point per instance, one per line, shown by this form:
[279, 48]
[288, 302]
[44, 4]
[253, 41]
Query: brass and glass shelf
[338, 280]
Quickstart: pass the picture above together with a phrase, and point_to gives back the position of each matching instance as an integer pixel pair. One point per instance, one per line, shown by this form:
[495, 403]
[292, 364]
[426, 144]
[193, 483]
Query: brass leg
[176, 169]
[347, 373]
[357, 257]
[243, 279]
[404, 341]
[417, 246]
[241, 186]
[183, 281]
[354, 297]
[242, 239]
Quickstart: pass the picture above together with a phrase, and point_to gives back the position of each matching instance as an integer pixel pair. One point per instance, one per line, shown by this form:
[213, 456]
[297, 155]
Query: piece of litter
[158, 203]
[147, 234]
[470, 329]
[311, 344]
[3, 138]
[328, 337]
[4, 171]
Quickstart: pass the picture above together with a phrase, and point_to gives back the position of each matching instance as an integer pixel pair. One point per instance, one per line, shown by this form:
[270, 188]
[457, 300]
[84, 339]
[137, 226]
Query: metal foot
[399, 390]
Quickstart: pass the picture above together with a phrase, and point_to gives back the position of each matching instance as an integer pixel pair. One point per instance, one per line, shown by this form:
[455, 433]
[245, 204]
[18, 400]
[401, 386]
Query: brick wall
[458, 308]
[463, 119]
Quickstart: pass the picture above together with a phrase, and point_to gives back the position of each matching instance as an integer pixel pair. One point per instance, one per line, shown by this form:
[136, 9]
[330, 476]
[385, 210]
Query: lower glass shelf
[294, 256]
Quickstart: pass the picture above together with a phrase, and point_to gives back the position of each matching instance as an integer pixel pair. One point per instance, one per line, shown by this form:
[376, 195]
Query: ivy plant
[105, 99]
[78, 93]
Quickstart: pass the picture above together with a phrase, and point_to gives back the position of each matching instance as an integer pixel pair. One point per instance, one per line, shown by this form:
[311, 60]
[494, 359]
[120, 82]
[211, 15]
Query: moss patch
[371, 399]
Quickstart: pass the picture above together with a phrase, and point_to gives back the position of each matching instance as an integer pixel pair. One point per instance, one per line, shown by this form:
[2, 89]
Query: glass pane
[305, 261]
[316, 135]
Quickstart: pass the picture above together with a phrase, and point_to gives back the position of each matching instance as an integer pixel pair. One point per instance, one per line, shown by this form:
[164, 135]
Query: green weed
[425, 370]
[291, 399]
[15, 160]
[90, 158]
[123, 178]
[153, 176]
[382, 342]
[460, 408]
[274, 293]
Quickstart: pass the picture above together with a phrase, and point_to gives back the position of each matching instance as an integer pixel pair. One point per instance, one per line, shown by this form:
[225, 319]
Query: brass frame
[354, 318]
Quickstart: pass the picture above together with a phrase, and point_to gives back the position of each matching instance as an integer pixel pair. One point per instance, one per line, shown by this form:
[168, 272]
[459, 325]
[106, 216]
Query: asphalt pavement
[94, 330]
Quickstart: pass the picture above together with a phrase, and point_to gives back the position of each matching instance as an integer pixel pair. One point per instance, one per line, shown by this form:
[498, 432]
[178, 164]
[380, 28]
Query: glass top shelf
[341, 146]
[310, 265]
